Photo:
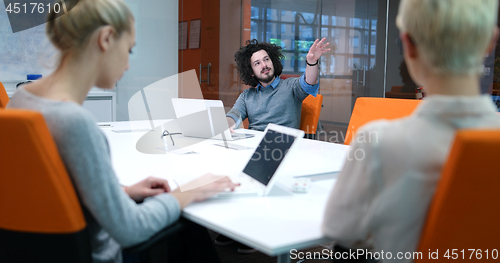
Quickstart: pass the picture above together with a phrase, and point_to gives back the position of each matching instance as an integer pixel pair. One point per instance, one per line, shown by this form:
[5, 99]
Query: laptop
[204, 119]
[257, 178]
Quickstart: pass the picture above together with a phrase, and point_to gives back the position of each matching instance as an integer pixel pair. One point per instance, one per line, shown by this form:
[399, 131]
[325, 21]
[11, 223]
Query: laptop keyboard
[242, 188]
[246, 184]
[247, 188]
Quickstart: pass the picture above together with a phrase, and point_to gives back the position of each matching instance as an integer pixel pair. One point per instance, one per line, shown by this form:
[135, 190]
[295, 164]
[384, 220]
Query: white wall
[230, 85]
[155, 55]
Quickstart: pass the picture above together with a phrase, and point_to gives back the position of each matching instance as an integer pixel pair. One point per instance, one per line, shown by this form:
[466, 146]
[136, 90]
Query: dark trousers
[192, 244]
[341, 249]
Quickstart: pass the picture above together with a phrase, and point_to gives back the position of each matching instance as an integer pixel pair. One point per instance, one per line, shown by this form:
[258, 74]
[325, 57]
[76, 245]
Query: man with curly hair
[271, 99]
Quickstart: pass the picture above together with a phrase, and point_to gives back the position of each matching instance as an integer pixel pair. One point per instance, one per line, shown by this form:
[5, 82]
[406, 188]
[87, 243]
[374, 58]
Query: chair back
[4, 97]
[370, 109]
[464, 211]
[311, 109]
[41, 219]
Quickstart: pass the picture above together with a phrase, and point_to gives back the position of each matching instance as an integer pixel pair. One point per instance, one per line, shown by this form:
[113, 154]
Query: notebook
[204, 119]
[257, 178]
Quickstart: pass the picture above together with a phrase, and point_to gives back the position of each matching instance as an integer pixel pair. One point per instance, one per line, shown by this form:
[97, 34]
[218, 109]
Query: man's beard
[266, 79]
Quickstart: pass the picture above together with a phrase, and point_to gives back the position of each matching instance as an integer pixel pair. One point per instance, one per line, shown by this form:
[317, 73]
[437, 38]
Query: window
[296, 24]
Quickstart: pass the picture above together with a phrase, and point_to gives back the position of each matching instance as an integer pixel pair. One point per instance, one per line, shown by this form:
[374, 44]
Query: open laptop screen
[268, 156]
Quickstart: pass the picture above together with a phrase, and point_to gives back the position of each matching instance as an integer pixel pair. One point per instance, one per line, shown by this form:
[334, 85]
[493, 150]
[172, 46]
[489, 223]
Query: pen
[104, 125]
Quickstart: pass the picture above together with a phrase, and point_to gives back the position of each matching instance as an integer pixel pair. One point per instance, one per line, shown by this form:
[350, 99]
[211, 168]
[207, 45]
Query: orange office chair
[4, 98]
[309, 117]
[464, 211]
[370, 109]
[41, 217]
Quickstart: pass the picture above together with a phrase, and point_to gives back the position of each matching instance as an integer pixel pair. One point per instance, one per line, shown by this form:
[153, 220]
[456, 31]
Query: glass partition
[356, 27]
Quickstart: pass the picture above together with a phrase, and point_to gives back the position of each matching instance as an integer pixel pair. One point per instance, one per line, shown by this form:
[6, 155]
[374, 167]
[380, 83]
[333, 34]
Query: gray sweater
[279, 103]
[114, 219]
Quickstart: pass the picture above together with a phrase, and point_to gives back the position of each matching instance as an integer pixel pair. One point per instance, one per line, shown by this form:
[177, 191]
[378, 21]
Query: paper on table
[299, 164]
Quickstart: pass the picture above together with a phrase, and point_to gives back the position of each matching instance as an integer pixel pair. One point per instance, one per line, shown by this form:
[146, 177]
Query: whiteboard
[25, 52]
[154, 57]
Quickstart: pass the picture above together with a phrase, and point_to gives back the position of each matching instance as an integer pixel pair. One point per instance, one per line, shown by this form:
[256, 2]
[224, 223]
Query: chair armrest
[165, 233]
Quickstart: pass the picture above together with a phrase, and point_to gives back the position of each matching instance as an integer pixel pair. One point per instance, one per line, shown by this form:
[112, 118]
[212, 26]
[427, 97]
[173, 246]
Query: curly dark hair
[242, 58]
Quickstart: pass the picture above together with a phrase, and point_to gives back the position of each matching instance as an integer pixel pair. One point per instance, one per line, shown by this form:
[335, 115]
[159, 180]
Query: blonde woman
[380, 201]
[95, 39]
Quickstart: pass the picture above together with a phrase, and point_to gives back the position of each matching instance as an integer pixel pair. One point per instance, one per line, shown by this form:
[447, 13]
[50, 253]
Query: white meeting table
[273, 225]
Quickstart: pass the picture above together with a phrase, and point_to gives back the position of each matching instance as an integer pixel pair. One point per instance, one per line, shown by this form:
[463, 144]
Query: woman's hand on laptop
[202, 188]
[148, 187]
